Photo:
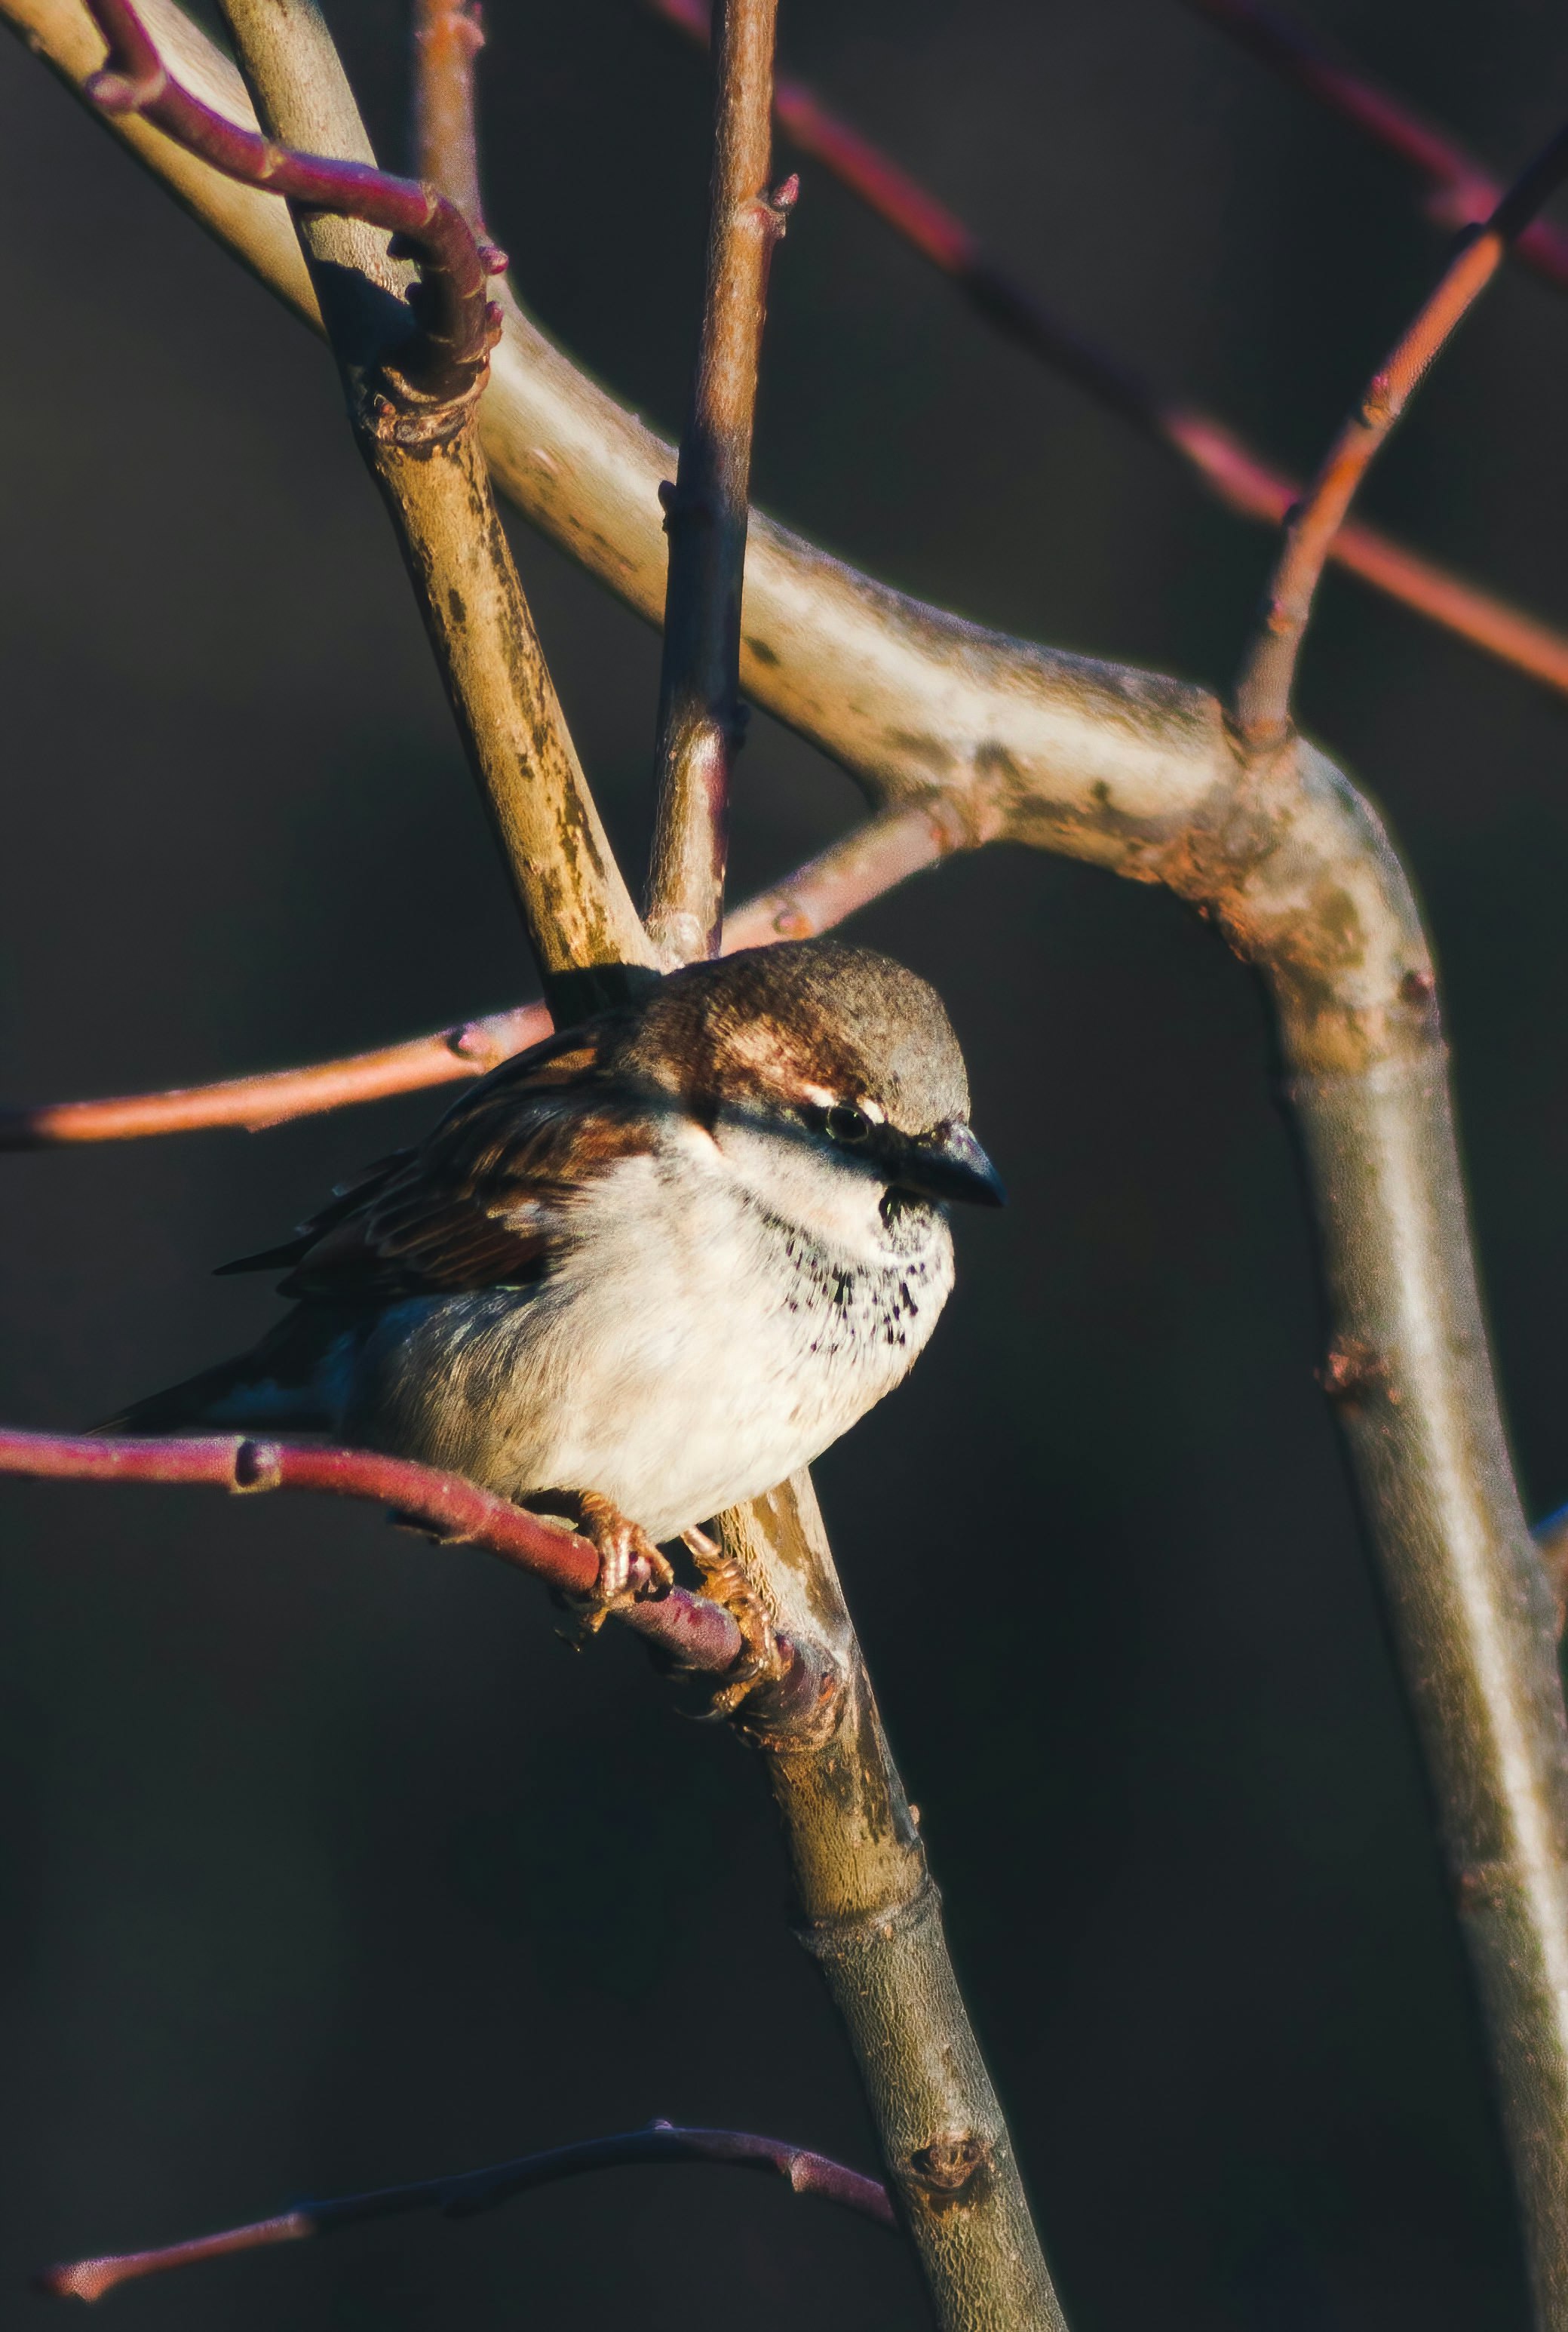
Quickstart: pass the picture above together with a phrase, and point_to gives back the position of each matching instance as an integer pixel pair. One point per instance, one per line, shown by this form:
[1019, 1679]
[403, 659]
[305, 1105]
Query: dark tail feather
[274, 1388]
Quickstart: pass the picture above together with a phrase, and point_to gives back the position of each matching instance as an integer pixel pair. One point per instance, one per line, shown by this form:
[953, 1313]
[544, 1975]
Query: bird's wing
[483, 1201]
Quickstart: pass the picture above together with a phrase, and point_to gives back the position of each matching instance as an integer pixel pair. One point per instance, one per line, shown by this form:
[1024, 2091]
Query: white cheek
[799, 1180]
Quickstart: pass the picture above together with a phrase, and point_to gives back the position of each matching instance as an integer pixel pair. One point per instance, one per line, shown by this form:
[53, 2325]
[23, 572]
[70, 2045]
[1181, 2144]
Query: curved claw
[725, 1580]
[623, 1545]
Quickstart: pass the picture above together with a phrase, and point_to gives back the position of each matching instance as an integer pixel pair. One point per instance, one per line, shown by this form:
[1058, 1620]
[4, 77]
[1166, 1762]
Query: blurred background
[322, 1864]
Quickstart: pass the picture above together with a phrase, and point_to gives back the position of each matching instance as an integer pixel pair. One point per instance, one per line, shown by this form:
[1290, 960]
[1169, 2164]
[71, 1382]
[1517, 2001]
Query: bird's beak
[950, 1164]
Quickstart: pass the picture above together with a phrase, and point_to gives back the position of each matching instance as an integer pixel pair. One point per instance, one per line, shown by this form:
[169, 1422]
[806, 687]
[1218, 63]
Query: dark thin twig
[1233, 472]
[445, 359]
[481, 2190]
[448, 36]
[706, 510]
[1462, 193]
[873, 858]
[1268, 669]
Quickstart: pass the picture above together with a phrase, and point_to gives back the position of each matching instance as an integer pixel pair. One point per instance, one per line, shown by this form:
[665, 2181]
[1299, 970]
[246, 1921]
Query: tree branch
[873, 1923]
[875, 857]
[690, 1630]
[425, 459]
[699, 710]
[1233, 472]
[473, 2191]
[1462, 192]
[1139, 774]
[1268, 668]
[448, 36]
[442, 353]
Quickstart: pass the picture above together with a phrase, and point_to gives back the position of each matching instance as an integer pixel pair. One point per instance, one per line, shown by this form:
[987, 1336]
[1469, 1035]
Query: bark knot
[955, 2167]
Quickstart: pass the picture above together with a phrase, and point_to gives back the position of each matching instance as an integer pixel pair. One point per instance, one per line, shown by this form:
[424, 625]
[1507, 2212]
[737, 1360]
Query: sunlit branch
[1268, 669]
[872, 859]
[706, 510]
[1462, 193]
[425, 459]
[448, 36]
[1231, 470]
[474, 2191]
[693, 1630]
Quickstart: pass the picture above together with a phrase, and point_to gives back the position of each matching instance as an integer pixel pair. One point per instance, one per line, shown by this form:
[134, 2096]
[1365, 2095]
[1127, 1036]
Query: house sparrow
[645, 1270]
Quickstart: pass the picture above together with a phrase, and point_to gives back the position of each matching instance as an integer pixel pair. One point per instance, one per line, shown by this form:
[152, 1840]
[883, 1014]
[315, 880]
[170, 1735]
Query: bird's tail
[282, 1385]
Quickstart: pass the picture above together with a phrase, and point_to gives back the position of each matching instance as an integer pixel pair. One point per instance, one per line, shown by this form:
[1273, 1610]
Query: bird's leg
[724, 1582]
[621, 1544]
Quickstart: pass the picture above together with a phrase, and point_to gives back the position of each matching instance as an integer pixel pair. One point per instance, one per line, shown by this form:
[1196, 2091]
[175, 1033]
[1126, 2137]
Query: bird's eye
[846, 1124]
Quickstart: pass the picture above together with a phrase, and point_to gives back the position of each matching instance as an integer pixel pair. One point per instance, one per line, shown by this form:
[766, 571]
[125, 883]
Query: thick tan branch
[872, 1920]
[436, 489]
[1267, 675]
[706, 510]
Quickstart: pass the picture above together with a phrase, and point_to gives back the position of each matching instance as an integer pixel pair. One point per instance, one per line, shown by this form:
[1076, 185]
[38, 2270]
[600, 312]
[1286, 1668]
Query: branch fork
[426, 382]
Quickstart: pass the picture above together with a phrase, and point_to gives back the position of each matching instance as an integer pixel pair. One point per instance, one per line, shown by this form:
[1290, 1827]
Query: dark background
[323, 1864]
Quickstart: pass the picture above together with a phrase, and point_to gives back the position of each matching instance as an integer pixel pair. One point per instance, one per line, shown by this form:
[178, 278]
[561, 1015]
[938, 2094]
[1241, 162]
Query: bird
[644, 1271]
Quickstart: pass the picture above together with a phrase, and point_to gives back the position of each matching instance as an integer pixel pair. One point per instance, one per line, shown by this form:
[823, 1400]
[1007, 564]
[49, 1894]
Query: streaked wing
[483, 1201]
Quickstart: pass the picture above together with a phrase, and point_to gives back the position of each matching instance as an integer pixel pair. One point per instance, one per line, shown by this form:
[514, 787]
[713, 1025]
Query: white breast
[692, 1349]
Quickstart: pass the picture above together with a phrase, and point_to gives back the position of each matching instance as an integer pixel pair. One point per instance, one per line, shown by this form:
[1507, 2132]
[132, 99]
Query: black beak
[950, 1164]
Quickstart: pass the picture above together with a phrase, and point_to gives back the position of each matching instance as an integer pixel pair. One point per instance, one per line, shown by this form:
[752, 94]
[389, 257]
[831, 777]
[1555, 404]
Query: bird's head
[826, 1074]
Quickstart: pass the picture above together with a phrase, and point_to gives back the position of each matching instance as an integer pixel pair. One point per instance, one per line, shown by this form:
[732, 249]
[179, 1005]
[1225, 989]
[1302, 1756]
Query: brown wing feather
[481, 1203]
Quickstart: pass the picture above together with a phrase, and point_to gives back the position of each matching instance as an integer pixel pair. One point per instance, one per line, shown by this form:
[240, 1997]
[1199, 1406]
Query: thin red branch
[1268, 669]
[448, 36]
[700, 720]
[445, 359]
[691, 1629]
[1462, 192]
[886, 850]
[481, 2190]
[1235, 472]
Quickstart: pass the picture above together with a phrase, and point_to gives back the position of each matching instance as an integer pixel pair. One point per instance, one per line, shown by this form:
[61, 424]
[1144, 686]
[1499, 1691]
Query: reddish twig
[691, 1629]
[706, 510]
[1237, 475]
[481, 2190]
[1462, 193]
[885, 851]
[444, 359]
[448, 36]
[1268, 669]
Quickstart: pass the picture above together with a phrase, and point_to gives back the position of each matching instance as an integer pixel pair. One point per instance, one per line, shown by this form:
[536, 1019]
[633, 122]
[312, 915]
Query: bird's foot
[631, 1569]
[724, 1582]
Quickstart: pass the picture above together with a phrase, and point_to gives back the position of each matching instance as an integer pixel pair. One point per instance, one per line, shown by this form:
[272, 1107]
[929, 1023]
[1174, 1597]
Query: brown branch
[871, 1918]
[1238, 476]
[699, 709]
[436, 490]
[448, 36]
[884, 852]
[474, 2191]
[1463, 193]
[1263, 691]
